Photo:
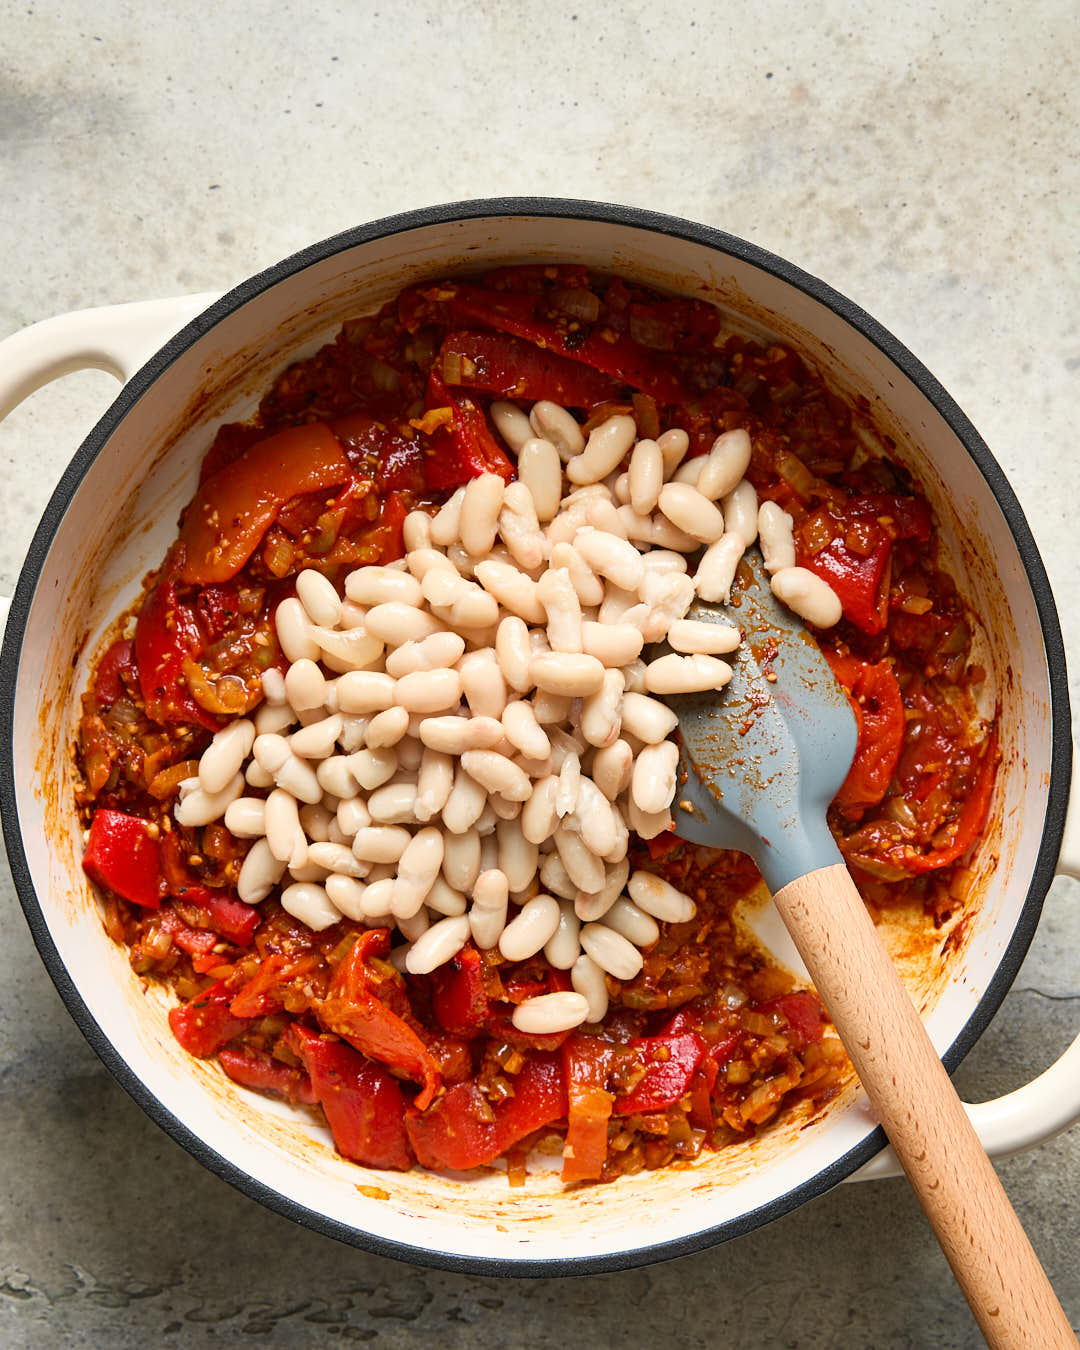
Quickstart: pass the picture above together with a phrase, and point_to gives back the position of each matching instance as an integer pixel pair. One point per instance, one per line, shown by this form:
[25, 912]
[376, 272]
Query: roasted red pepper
[258, 1070]
[463, 1130]
[861, 583]
[234, 508]
[458, 997]
[122, 856]
[462, 447]
[231, 918]
[513, 368]
[670, 1064]
[264, 992]
[206, 1023]
[803, 1013]
[166, 634]
[587, 1062]
[364, 1105]
[115, 669]
[879, 712]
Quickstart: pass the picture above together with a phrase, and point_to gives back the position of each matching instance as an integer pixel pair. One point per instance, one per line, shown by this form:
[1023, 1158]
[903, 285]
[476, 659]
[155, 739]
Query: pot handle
[1048, 1104]
[114, 338]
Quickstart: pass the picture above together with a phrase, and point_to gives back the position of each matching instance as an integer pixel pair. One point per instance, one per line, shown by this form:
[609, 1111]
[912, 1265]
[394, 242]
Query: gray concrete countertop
[923, 160]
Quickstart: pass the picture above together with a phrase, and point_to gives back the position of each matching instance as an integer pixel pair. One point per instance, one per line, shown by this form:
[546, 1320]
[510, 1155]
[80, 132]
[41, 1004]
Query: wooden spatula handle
[989, 1252]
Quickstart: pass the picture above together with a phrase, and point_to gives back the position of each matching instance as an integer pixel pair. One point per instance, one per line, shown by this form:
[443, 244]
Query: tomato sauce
[710, 1042]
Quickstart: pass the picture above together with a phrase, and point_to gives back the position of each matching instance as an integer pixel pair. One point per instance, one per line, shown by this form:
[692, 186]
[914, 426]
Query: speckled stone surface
[922, 160]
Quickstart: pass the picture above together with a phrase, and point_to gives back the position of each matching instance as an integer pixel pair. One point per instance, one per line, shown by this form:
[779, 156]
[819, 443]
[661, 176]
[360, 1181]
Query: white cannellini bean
[589, 587]
[382, 585]
[246, 817]
[647, 825]
[380, 843]
[347, 894]
[555, 878]
[393, 804]
[352, 816]
[594, 819]
[443, 899]
[698, 637]
[309, 902]
[497, 773]
[613, 644]
[436, 652]
[540, 469]
[602, 514]
[668, 596]
[386, 728]
[600, 712]
[646, 476]
[553, 423]
[198, 808]
[446, 523]
[634, 674]
[812, 598]
[726, 464]
[443, 585]
[647, 718]
[653, 783]
[321, 602]
[549, 1013]
[305, 685]
[673, 674]
[378, 898]
[611, 951]
[524, 935]
[482, 683]
[588, 980]
[538, 815]
[315, 820]
[690, 471]
[461, 859]
[614, 558]
[570, 673]
[562, 949]
[364, 691]
[512, 588]
[741, 511]
[439, 944]
[716, 570]
[606, 446]
[420, 561]
[336, 858]
[412, 926]
[513, 652]
[511, 423]
[592, 905]
[294, 631]
[355, 649]
[550, 709]
[487, 917]
[556, 593]
[519, 526]
[224, 757]
[282, 820]
[660, 899]
[569, 783]
[416, 530]
[663, 560]
[673, 447]
[454, 735]
[690, 511]
[655, 531]
[368, 768]
[777, 530]
[352, 615]
[632, 923]
[395, 623]
[523, 731]
[429, 691]
[622, 838]
[480, 513]
[418, 867]
[612, 768]
[586, 870]
[273, 685]
[317, 739]
[434, 784]
[465, 804]
[620, 488]
[516, 857]
[259, 874]
[257, 777]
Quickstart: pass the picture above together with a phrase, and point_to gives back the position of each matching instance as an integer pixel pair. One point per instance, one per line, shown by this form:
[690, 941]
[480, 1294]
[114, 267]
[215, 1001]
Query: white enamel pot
[113, 515]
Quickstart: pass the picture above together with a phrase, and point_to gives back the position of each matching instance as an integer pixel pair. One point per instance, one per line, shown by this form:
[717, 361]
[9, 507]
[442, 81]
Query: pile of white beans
[471, 728]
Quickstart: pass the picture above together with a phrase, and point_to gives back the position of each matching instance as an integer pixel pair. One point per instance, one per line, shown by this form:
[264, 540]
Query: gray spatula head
[765, 756]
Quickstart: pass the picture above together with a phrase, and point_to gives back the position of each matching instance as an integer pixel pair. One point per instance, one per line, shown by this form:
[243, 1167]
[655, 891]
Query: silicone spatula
[760, 762]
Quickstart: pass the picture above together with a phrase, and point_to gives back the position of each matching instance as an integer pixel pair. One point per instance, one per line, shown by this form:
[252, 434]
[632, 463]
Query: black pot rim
[554, 208]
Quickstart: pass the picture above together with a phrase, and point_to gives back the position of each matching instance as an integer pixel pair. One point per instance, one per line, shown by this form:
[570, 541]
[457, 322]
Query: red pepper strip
[802, 1011]
[463, 449]
[372, 1028]
[364, 1106]
[356, 976]
[205, 1024]
[879, 711]
[660, 845]
[381, 454]
[858, 582]
[501, 1027]
[458, 304]
[117, 663]
[232, 510]
[194, 941]
[458, 998]
[513, 368]
[909, 516]
[462, 1130]
[389, 533]
[121, 856]
[231, 918]
[701, 1089]
[666, 1079]
[166, 634]
[263, 992]
[253, 1069]
[587, 1063]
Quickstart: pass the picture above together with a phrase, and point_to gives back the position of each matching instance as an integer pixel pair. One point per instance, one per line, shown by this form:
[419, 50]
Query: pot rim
[635, 218]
